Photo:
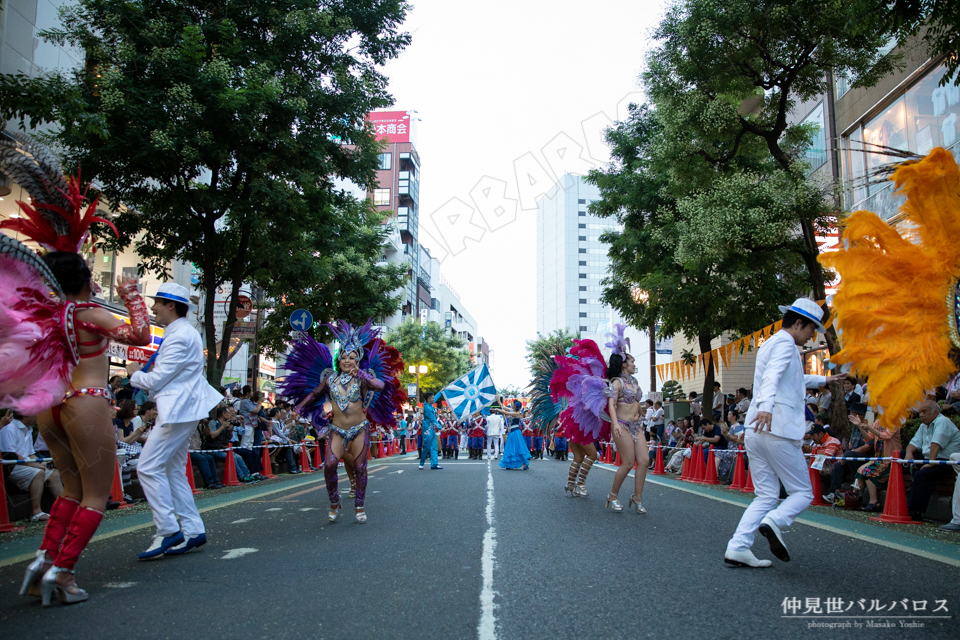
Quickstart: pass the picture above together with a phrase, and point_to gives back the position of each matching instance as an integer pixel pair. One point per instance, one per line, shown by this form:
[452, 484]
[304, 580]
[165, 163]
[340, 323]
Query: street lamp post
[639, 295]
[418, 369]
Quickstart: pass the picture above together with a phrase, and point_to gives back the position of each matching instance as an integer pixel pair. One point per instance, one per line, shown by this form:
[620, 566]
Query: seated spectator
[202, 461]
[220, 432]
[937, 438]
[874, 475]
[824, 398]
[858, 447]
[849, 392]
[727, 459]
[124, 423]
[710, 435]
[30, 474]
[826, 445]
[146, 418]
[742, 399]
[279, 437]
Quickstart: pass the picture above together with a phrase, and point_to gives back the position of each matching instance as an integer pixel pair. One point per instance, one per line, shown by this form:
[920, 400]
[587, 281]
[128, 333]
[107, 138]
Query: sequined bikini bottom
[635, 428]
[352, 432]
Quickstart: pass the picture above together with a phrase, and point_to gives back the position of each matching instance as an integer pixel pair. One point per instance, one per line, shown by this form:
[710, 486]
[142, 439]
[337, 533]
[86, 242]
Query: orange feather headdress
[898, 304]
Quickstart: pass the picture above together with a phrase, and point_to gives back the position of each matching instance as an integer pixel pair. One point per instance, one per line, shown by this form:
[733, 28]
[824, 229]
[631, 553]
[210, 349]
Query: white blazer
[176, 381]
[779, 387]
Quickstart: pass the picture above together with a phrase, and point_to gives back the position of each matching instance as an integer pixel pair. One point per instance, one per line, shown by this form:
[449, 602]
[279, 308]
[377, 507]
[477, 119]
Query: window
[583, 275]
[816, 153]
[583, 315]
[582, 238]
[583, 301]
[582, 226]
[581, 250]
[583, 263]
[581, 202]
[583, 288]
[385, 161]
[582, 328]
[381, 197]
[582, 213]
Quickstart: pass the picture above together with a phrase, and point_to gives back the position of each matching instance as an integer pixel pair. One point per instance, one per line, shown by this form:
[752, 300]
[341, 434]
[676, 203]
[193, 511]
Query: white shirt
[495, 424]
[718, 401]
[743, 406]
[648, 419]
[658, 416]
[17, 438]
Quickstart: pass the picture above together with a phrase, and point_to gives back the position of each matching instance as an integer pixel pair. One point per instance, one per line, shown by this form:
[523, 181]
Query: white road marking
[401, 471]
[487, 629]
[233, 554]
[241, 520]
[376, 492]
[275, 509]
[119, 585]
[308, 509]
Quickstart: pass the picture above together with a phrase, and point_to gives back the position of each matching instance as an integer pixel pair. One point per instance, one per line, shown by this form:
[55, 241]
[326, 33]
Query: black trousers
[924, 480]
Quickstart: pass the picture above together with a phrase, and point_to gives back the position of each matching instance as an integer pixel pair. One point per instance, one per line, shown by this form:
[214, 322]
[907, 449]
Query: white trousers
[163, 475]
[494, 443]
[773, 460]
[956, 491]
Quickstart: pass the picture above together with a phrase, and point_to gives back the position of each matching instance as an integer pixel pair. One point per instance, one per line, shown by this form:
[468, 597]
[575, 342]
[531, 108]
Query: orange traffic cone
[895, 506]
[658, 469]
[710, 473]
[304, 460]
[5, 525]
[748, 487]
[698, 467]
[267, 465]
[687, 469]
[739, 479]
[618, 462]
[608, 455]
[818, 500]
[193, 487]
[230, 469]
[116, 491]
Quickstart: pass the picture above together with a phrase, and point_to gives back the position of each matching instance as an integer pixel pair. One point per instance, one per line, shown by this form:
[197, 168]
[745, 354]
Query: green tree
[544, 346]
[346, 282]
[430, 344]
[652, 281]
[224, 126]
[673, 391]
[726, 75]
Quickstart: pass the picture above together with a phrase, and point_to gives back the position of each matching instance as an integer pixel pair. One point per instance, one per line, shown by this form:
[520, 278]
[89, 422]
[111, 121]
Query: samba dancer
[623, 407]
[53, 364]
[516, 453]
[364, 389]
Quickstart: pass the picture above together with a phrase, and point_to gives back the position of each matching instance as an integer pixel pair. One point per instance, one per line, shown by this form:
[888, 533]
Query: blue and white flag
[469, 394]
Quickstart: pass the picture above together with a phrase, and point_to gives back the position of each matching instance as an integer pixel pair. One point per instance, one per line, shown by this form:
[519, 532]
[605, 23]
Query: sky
[511, 94]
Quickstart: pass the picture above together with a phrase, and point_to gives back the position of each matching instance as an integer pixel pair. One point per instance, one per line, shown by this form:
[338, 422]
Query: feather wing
[581, 379]
[309, 364]
[385, 364]
[895, 310]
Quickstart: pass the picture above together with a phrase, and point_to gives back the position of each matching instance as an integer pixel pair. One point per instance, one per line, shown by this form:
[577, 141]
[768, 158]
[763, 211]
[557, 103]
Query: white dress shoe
[745, 558]
[770, 531]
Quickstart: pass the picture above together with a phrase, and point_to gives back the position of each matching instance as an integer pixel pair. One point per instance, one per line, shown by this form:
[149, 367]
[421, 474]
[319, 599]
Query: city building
[571, 263]
[398, 191]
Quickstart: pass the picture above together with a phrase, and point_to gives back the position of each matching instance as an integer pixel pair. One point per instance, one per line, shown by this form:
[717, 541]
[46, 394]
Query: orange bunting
[723, 357]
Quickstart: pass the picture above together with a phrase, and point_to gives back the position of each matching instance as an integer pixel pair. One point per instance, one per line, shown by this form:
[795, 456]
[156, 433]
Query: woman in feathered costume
[364, 389]
[898, 306]
[623, 407]
[52, 354]
[580, 380]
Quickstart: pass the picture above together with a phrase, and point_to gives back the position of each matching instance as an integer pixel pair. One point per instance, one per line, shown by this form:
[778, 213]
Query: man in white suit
[494, 435]
[773, 445]
[177, 384]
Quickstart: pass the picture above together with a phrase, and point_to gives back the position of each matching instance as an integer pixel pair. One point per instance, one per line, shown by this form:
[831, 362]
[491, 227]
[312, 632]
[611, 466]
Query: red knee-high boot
[61, 514]
[82, 527]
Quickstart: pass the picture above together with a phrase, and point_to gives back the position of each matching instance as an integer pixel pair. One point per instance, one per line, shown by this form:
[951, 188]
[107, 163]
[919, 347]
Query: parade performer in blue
[430, 424]
[516, 453]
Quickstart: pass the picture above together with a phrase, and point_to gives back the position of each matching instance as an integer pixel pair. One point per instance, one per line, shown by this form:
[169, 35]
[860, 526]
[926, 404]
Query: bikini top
[72, 326]
[629, 390]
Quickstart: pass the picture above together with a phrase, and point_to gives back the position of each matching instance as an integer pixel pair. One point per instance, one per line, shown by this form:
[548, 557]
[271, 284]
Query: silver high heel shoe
[334, 512]
[581, 490]
[34, 573]
[571, 489]
[614, 504]
[48, 585]
[634, 501]
[361, 516]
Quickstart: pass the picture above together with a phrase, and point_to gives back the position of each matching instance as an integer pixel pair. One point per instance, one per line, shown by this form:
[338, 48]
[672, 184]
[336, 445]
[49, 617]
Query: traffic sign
[301, 320]
[244, 306]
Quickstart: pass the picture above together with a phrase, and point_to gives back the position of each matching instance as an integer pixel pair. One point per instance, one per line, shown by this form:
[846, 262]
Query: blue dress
[515, 451]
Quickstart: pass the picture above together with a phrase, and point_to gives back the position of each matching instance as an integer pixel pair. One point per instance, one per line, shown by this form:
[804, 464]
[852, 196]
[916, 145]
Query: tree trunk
[839, 424]
[707, 404]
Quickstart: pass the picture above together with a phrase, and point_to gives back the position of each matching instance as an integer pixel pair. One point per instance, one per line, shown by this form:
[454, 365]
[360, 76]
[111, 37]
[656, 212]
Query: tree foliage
[544, 346]
[430, 344]
[223, 128]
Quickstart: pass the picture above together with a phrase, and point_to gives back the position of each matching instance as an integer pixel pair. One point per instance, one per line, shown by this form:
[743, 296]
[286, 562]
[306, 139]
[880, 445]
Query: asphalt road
[561, 568]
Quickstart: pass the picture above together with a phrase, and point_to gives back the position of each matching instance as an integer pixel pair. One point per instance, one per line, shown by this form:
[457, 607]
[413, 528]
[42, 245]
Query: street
[561, 567]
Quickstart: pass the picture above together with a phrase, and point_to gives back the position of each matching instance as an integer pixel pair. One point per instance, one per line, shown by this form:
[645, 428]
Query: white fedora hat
[175, 292]
[808, 309]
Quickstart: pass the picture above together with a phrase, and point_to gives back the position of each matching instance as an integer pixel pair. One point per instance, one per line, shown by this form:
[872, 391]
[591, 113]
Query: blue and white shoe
[160, 544]
[191, 542]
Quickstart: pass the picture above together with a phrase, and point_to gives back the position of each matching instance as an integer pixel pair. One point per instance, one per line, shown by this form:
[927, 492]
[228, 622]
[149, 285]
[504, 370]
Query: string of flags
[727, 355]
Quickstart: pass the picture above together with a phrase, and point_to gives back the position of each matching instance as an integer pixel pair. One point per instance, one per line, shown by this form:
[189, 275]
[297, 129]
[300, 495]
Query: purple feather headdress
[353, 339]
[617, 343]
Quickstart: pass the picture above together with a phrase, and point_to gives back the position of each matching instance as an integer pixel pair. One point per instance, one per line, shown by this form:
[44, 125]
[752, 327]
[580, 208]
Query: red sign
[392, 126]
[246, 306]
